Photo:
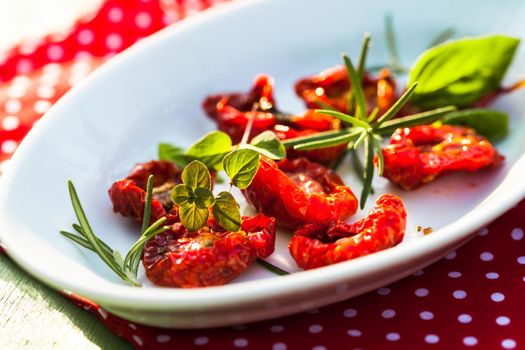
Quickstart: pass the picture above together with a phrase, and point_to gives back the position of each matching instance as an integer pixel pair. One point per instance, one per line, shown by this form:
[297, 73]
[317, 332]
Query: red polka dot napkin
[473, 298]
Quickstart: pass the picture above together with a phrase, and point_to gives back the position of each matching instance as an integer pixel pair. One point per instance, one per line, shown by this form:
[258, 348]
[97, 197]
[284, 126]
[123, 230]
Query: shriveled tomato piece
[329, 242]
[419, 154]
[210, 256]
[298, 191]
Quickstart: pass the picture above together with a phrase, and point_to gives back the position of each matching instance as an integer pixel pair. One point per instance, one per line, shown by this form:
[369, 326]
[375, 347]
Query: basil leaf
[268, 144]
[211, 148]
[196, 174]
[460, 72]
[193, 217]
[182, 195]
[226, 212]
[203, 198]
[174, 154]
[492, 124]
[241, 166]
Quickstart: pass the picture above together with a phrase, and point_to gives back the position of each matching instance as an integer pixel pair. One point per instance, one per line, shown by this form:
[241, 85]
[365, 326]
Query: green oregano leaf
[193, 217]
[226, 211]
[268, 144]
[182, 195]
[196, 174]
[174, 154]
[203, 198]
[492, 124]
[241, 166]
[211, 148]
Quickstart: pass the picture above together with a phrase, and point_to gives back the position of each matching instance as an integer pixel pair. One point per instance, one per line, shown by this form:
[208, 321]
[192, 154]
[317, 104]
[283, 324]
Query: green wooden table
[32, 316]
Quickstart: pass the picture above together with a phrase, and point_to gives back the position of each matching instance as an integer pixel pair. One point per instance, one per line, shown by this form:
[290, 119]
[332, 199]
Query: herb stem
[147, 204]
[272, 268]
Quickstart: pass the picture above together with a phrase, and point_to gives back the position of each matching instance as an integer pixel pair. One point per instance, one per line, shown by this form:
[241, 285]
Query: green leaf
[203, 198]
[268, 144]
[460, 72]
[192, 217]
[241, 166]
[211, 148]
[357, 88]
[196, 174]
[226, 212]
[182, 195]
[174, 154]
[492, 124]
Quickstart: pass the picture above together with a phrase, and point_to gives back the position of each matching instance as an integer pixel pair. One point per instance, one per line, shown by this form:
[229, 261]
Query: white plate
[153, 93]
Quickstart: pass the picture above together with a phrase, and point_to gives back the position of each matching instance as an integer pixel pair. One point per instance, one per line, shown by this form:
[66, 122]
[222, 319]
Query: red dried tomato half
[298, 191]
[210, 256]
[330, 242]
[129, 195]
[419, 154]
[332, 86]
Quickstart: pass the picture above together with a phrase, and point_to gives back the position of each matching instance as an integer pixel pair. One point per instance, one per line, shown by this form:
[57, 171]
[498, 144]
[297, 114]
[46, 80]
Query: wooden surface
[33, 316]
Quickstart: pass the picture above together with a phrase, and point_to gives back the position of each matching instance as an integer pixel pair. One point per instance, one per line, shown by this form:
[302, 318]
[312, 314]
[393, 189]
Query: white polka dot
[316, 328]
[508, 344]
[13, 106]
[431, 338]
[10, 122]
[497, 297]
[388, 313]
[486, 256]
[354, 332]
[383, 291]
[426, 315]
[143, 20]
[483, 231]
[28, 47]
[517, 234]
[451, 255]
[240, 343]
[24, 66]
[319, 347]
[418, 273]
[421, 292]
[42, 106]
[350, 313]
[470, 341]
[502, 320]
[521, 260]
[55, 52]
[115, 15]
[85, 37]
[492, 275]
[45, 91]
[114, 41]
[18, 87]
[459, 294]
[279, 346]
[9, 146]
[132, 326]
[52, 69]
[138, 340]
[277, 328]
[454, 274]
[162, 338]
[464, 318]
[201, 341]
[393, 336]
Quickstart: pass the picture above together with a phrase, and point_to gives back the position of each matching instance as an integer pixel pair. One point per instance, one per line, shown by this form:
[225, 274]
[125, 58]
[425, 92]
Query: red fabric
[472, 298]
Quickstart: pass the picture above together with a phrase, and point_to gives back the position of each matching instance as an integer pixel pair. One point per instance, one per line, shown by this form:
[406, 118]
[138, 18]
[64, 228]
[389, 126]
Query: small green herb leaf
[492, 124]
[241, 166]
[196, 174]
[193, 217]
[460, 72]
[268, 144]
[226, 212]
[174, 154]
[211, 148]
[182, 195]
[203, 198]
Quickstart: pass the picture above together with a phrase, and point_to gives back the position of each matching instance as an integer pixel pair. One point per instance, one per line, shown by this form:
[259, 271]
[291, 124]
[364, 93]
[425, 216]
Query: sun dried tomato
[330, 242]
[331, 87]
[129, 195]
[210, 256]
[298, 191]
[419, 154]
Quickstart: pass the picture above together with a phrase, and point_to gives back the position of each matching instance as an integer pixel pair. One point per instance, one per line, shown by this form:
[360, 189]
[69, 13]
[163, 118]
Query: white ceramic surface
[153, 93]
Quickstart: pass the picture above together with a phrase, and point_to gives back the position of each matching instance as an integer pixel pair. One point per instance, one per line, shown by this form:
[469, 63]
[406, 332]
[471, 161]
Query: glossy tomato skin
[329, 242]
[209, 257]
[129, 195]
[298, 191]
[419, 154]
